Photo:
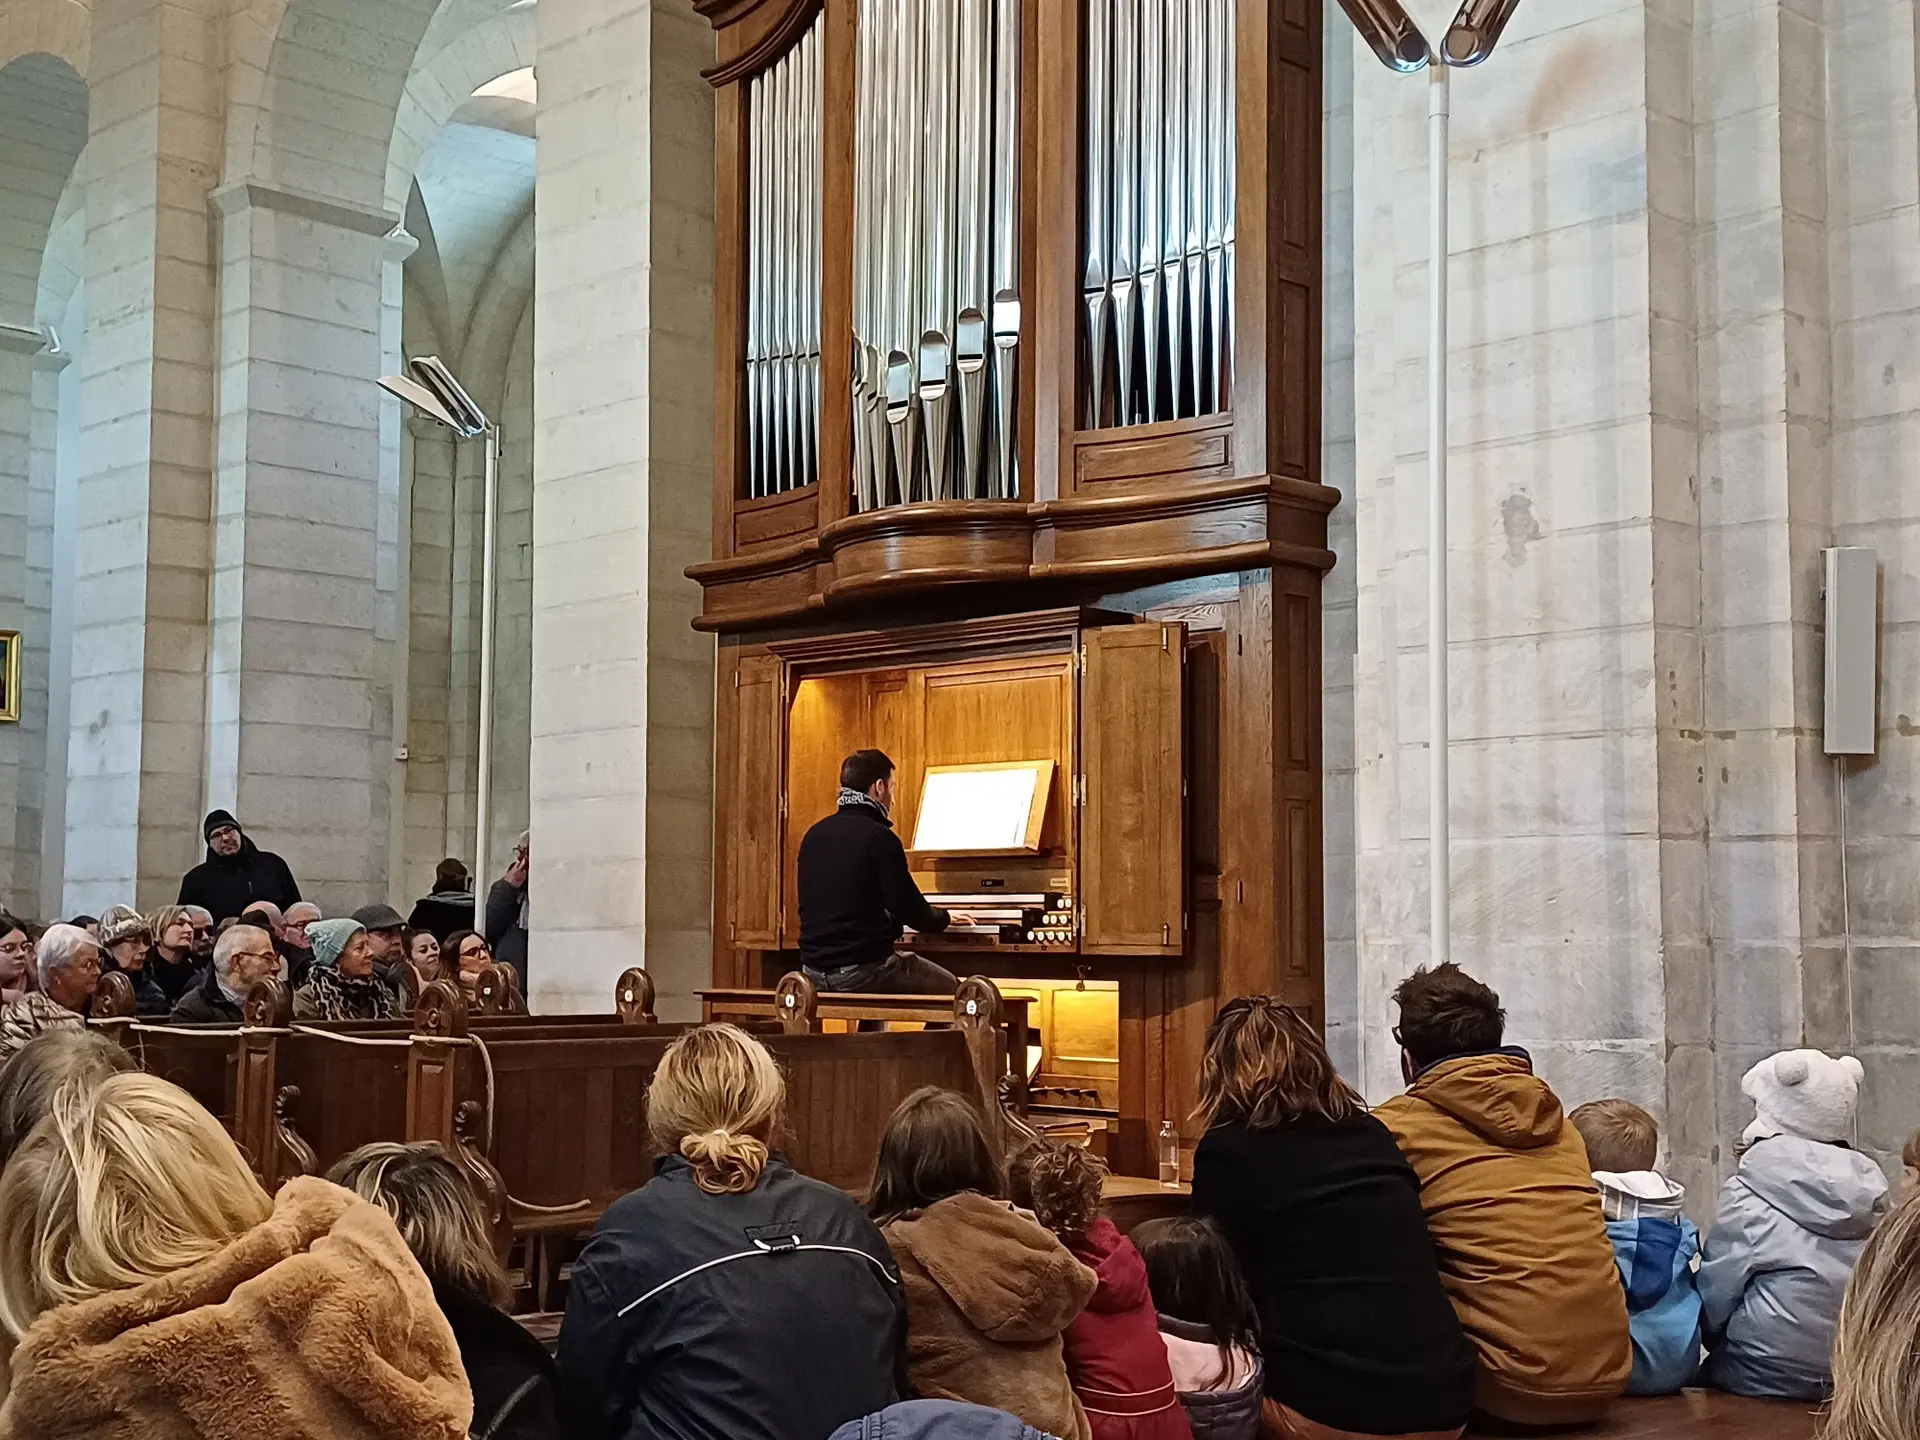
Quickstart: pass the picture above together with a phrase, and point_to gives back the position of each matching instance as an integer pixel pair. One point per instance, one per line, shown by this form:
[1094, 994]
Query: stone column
[140, 577]
[297, 739]
[621, 775]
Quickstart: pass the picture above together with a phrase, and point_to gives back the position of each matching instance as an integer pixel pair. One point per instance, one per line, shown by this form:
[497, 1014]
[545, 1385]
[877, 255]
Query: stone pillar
[296, 739]
[141, 572]
[621, 774]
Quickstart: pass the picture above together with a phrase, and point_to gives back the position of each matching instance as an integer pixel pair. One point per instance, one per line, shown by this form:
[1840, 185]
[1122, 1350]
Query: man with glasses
[236, 872]
[242, 958]
[68, 960]
[204, 931]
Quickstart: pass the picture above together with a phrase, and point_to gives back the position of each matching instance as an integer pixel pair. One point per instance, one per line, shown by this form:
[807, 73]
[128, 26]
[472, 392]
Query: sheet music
[975, 810]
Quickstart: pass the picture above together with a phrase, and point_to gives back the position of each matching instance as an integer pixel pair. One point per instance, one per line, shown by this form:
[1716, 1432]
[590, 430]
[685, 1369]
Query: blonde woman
[441, 1219]
[1876, 1348]
[154, 1290]
[728, 1295]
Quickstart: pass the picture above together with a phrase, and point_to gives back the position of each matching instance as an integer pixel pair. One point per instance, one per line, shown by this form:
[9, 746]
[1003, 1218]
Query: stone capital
[241, 196]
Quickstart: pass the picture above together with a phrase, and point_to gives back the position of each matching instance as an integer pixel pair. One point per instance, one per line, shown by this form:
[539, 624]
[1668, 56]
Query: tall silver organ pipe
[1159, 166]
[936, 307]
[783, 271]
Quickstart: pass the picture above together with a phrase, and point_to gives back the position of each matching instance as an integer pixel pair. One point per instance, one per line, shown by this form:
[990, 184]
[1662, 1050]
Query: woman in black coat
[1324, 1215]
[515, 1392]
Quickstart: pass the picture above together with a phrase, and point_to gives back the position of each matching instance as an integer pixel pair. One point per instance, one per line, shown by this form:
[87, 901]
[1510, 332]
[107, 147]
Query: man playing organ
[857, 894]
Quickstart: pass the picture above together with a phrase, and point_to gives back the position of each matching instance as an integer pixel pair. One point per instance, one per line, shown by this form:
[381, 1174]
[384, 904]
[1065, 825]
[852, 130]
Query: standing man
[507, 914]
[857, 895]
[235, 873]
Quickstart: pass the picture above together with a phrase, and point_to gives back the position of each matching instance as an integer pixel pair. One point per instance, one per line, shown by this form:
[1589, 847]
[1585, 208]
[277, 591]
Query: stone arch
[60, 28]
[43, 129]
[449, 67]
[497, 316]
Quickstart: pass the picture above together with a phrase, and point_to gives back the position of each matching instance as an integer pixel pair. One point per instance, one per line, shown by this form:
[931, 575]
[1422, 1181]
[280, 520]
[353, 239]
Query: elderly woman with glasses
[67, 963]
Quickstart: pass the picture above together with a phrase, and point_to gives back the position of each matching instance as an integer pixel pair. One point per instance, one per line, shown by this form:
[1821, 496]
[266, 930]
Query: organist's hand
[964, 918]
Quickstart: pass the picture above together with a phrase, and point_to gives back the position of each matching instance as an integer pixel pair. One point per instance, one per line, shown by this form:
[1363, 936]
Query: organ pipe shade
[1158, 170]
[783, 271]
[936, 303]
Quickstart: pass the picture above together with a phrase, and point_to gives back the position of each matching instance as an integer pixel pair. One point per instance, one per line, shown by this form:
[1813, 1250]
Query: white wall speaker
[1853, 650]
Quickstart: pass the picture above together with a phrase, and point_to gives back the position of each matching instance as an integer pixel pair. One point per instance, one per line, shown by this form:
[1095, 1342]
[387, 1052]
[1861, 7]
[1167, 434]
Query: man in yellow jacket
[1511, 1204]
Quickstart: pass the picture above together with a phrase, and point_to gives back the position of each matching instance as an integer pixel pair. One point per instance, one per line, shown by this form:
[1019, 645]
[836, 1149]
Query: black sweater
[856, 892]
[1325, 1218]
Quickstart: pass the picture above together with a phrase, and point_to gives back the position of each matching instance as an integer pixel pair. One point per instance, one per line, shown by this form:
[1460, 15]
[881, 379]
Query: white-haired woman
[728, 1295]
[155, 1290]
[67, 966]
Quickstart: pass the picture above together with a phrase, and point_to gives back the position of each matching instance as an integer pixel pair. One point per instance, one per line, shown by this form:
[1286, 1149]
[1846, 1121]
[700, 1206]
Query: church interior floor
[1703, 1415]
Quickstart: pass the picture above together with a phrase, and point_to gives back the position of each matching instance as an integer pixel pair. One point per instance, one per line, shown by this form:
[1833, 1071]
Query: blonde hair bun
[715, 1101]
[725, 1163]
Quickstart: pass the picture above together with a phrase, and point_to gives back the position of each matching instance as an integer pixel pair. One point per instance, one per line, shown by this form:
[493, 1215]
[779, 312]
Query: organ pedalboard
[1029, 919]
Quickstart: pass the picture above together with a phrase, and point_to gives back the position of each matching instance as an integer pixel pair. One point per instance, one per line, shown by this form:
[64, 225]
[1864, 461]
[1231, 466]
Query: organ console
[1016, 478]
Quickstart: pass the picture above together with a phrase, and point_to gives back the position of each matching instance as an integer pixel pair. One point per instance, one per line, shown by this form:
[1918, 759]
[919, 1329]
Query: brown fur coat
[317, 1325]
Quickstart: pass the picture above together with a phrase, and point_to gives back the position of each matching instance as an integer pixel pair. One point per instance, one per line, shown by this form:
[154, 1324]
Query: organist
[857, 894]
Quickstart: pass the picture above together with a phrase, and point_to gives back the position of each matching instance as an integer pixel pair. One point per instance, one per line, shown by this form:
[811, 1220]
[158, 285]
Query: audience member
[1324, 1213]
[1115, 1357]
[385, 930]
[16, 957]
[506, 915]
[1654, 1244]
[1876, 1360]
[293, 935]
[67, 964]
[125, 938]
[235, 873]
[989, 1291]
[1511, 1206]
[464, 956]
[423, 954]
[41, 1067]
[342, 984]
[515, 1385]
[450, 906]
[242, 958]
[1792, 1222]
[1208, 1323]
[172, 964]
[203, 933]
[156, 1290]
[728, 1296]
[88, 923]
[938, 1420]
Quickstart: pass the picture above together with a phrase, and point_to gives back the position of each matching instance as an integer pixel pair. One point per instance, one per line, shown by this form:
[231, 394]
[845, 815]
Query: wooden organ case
[1016, 464]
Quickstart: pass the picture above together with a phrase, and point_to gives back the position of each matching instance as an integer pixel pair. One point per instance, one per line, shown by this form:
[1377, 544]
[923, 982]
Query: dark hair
[450, 874]
[1620, 1136]
[1264, 1066]
[10, 922]
[1193, 1275]
[50, 1060]
[83, 921]
[1060, 1184]
[450, 948]
[864, 769]
[934, 1146]
[1445, 1011]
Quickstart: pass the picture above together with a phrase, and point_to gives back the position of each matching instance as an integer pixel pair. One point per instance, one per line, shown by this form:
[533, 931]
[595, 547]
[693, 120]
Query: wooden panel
[839, 63]
[570, 1117]
[1001, 710]
[1132, 844]
[1187, 449]
[754, 861]
[826, 723]
[759, 522]
[730, 310]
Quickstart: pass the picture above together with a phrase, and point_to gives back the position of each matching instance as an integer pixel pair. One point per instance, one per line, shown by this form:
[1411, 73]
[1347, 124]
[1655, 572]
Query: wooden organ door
[1016, 461]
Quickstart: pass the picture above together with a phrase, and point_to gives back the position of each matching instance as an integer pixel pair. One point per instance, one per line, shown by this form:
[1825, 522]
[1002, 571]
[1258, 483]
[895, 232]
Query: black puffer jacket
[224, 885]
[515, 1387]
[773, 1315]
[205, 1003]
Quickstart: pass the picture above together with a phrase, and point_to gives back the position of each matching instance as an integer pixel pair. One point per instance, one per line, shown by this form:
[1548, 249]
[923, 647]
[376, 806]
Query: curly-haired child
[1115, 1357]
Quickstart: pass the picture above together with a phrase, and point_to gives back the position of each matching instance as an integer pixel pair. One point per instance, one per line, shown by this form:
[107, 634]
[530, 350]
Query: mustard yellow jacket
[1517, 1224]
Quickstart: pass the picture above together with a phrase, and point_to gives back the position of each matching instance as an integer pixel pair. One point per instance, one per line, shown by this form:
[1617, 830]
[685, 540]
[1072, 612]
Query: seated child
[1654, 1244]
[1115, 1357]
[1208, 1322]
[989, 1292]
[1792, 1222]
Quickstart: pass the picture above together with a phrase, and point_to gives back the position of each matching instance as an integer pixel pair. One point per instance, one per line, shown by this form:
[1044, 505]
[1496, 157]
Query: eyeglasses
[259, 955]
[16, 947]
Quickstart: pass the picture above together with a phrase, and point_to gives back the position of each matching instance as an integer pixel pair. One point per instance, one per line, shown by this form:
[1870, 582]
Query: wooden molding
[1123, 533]
[778, 23]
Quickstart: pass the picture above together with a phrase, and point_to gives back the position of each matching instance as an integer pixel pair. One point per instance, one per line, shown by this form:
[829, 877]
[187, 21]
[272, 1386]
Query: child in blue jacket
[1654, 1244]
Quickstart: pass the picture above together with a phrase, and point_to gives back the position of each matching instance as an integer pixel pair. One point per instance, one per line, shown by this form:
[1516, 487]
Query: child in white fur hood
[1792, 1223]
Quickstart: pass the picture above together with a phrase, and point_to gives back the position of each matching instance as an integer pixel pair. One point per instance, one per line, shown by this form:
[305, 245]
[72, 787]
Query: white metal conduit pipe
[1397, 40]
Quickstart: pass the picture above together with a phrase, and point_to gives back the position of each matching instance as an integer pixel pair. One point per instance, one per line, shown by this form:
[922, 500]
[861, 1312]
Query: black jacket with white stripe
[773, 1315]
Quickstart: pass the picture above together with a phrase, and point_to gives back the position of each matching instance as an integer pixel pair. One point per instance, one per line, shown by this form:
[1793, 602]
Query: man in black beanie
[235, 873]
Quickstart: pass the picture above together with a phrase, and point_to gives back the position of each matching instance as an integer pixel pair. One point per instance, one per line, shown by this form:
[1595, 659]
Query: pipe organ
[1016, 476]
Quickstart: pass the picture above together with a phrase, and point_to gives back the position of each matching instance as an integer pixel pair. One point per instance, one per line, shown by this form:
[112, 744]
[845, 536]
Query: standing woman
[342, 985]
[728, 1296]
[1323, 1211]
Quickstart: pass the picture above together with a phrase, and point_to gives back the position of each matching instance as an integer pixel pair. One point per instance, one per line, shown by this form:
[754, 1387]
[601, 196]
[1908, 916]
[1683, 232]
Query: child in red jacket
[1115, 1357]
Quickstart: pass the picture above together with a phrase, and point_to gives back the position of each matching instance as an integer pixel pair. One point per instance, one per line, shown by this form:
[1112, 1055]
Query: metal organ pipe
[1159, 169]
[783, 271]
[936, 290]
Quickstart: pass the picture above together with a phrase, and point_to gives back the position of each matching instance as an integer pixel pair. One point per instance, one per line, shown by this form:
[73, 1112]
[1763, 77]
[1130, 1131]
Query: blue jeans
[901, 973]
